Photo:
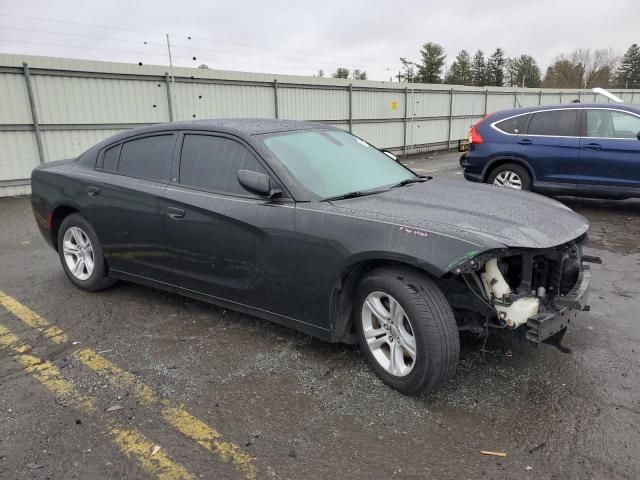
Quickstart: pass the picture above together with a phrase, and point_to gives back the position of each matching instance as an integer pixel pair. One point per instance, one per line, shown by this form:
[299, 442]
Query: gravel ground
[307, 409]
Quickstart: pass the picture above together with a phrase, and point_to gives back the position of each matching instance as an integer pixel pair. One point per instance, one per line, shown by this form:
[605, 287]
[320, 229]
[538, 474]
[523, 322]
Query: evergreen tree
[524, 69]
[478, 69]
[460, 73]
[495, 68]
[628, 74]
[359, 74]
[341, 73]
[433, 58]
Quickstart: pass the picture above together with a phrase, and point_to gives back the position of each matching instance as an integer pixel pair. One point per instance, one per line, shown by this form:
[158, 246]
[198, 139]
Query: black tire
[463, 157]
[99, 278]
[521, 171]
[432, 321]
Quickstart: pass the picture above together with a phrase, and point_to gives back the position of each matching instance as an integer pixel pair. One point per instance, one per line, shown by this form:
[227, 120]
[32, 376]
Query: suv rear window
[556, 123]
[513, 125]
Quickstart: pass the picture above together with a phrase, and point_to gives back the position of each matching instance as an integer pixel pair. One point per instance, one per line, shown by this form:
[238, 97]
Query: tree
[582, 68]
[320, 73]
[628, 74]
[524, 70]
[433, 58]
[495, 68]
[478, 69]
[408, 72]
[359, 75]
[203, 66]
[460, 72]
[341, 73]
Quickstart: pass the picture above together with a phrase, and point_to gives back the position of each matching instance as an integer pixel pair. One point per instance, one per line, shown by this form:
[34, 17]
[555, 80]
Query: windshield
[333, 163]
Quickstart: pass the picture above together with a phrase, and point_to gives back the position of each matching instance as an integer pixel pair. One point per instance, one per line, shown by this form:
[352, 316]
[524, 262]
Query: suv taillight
[474, 136]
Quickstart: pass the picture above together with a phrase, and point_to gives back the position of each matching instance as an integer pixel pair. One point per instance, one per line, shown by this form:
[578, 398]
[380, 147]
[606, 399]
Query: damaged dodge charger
[311, 227]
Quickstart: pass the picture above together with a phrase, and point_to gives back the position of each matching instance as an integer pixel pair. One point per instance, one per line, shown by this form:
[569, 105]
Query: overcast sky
[300, 37]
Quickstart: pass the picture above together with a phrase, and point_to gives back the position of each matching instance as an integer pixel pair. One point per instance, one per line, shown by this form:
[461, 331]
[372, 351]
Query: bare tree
[582, 68]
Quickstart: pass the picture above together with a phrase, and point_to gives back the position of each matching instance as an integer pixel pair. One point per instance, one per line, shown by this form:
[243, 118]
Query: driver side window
[602, 123]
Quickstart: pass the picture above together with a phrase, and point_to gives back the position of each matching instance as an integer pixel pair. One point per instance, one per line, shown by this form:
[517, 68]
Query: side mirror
[390, 155]
[257, 183]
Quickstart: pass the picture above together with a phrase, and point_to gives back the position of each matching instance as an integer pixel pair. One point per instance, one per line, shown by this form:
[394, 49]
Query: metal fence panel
[14, 107]
[209, 100]
[72, 100]
[372, 104]
[18, 155]
[70, 143]
[312, 104]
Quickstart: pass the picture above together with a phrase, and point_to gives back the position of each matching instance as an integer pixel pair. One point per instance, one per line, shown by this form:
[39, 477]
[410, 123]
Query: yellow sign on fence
[394, 105]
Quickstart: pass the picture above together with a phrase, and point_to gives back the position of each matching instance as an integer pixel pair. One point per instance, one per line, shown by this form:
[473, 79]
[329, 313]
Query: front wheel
[406, 329]
[81, 254]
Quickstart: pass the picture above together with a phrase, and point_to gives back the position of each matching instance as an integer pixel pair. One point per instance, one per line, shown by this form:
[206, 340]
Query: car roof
[515, 111]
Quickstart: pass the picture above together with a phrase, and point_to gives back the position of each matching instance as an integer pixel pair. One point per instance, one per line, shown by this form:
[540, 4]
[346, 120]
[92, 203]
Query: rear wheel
[406, 329]
[81, 255]
[511, 175]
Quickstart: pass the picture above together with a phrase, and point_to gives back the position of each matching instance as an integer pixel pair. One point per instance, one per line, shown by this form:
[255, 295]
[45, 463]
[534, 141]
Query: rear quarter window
[513, 125]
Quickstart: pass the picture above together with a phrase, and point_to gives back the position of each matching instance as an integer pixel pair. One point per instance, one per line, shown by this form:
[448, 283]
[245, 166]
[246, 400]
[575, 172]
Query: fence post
[632, 95]
[450, 117]
[579, 96]
[350, 108]
[275, 98]
[167, 82]
[406, 111]
[515, 97]
[34, 113]
[560, 96]
[540, 97]
[486, 100]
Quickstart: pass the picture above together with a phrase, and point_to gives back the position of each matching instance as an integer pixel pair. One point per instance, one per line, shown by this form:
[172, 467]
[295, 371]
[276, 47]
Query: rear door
[127, 192]
[552, 145]
[224, 241]
[610, 149]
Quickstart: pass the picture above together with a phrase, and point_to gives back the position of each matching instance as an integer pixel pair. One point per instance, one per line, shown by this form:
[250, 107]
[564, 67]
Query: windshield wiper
[407, 181]
[354, 194]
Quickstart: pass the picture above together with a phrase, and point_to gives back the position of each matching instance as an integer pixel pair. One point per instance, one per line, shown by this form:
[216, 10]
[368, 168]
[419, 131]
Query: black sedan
[311, 227]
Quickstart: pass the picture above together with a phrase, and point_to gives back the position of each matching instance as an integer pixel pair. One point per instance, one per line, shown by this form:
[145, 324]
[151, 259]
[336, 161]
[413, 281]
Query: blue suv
[575, 149]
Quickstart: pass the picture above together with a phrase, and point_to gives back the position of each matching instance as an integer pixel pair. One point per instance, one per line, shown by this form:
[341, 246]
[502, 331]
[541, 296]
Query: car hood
[482, 214]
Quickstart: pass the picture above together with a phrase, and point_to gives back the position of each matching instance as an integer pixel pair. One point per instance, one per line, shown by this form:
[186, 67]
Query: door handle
[93, 191]
[175, 213]
[592, 146]
[524, 141]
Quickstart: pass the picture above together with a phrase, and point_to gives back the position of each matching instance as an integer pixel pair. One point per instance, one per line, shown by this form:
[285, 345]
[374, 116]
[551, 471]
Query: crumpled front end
[536, 292]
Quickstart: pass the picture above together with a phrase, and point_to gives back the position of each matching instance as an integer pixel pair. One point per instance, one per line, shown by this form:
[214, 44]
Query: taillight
[474, 136]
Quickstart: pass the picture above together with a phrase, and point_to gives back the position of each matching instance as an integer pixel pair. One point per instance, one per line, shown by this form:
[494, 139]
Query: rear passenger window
[557, 123]
[212, 163]
[513, 125]
[147, 157]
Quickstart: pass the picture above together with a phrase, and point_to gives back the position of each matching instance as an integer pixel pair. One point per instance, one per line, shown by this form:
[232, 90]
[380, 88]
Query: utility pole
[171, 72]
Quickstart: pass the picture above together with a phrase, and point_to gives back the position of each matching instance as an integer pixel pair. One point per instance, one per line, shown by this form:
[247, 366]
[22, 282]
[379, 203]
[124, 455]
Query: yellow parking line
[133, 444]
[32, 319]
[182, 420]
[186, 423]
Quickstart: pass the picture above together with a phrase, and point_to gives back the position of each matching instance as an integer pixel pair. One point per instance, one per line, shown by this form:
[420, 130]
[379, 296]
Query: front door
[610, 148]
[224, 241]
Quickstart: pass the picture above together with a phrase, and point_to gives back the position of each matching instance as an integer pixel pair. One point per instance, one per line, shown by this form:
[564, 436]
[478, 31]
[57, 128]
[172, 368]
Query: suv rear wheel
[406, 329]
[510, 175]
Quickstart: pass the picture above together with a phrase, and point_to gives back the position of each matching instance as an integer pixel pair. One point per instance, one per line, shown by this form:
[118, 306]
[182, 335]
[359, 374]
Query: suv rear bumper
[551, 321]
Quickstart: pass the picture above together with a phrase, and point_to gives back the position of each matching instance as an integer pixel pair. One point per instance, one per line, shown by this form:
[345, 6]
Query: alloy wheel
[78, 253]
[508, 179]
[389, 334]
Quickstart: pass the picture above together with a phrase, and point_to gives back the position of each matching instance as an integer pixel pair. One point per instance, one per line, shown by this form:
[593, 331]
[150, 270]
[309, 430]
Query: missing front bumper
[551, 322]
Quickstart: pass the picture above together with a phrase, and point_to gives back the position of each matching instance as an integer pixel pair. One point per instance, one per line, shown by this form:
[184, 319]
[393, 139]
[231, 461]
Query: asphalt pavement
[132, 382]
